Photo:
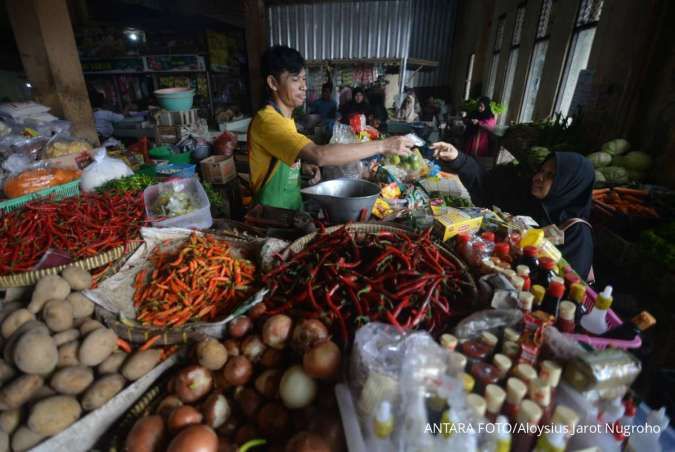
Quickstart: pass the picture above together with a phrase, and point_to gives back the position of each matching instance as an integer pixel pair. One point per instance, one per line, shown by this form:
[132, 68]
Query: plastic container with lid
[200, 218]
[595, 322]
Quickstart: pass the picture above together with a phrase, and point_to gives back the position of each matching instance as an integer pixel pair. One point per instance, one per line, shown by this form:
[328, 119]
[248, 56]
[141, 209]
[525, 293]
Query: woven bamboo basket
[29, 278]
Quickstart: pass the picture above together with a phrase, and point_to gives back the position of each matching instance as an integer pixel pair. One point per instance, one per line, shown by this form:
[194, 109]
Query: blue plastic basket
[182, 170]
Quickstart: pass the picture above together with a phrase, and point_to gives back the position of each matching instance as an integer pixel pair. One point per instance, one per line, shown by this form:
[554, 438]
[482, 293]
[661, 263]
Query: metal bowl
[344, 200]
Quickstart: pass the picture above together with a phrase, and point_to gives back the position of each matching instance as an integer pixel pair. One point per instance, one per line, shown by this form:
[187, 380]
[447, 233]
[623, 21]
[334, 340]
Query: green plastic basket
[165, 153]
[72, 188]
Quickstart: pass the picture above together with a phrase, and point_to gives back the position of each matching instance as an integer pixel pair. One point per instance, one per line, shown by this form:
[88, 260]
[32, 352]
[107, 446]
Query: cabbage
[600, 159]
[599, 177]
[637, 161]
[615, 174]
[616, 147]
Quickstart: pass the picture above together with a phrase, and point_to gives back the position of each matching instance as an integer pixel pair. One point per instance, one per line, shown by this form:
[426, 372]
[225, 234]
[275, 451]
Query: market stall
[391, 315]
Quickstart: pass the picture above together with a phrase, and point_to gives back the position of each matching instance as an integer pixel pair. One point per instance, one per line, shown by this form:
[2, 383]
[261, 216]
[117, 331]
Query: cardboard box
[218, 169]
[455, 221]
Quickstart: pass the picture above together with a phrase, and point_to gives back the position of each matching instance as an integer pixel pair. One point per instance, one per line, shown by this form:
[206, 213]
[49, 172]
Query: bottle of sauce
[383, 424]
[570, 278]
[517, 281]
[449, 342]
[546, 271]
[566, 318]
[577, 294]
[525, 301]
[529, 414]
[551, 302]
[595, 322]
[503, 252]
[478, 404]
[489, 339]
[539, 292]
[511, 349]
[511, 335]
[503, 434]
[540, 392]
[550, 372]
[503, 364]
[628, 330]
[525, 372]
[475, 351]
[488, 236]
[457, 360]
[515, 391]
[494, 399]
[484, 374]
[524, 272]
[529, 259]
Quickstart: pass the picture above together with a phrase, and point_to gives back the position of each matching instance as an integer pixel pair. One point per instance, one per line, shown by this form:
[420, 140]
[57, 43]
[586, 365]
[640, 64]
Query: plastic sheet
[487, 320]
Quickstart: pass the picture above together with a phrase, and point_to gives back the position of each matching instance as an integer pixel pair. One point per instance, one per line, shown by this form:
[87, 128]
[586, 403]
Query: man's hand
[310, 169]
[444, 151]
[397, 145]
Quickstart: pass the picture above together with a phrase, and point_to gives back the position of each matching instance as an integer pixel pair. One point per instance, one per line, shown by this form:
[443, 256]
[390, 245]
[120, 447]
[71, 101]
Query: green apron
[280, 188]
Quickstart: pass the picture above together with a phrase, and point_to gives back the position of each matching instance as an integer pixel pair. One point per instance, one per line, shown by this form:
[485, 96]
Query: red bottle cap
[571, 278]
[489, 236]
[556, 289]
[463, 238]
[479, 246]
[547, 263]
[530, 251]
[502, 249]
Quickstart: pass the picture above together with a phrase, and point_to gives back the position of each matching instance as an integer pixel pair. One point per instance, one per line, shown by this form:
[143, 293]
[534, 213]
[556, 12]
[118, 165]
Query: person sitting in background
[104, 118]
[479, 124]
[410, 108]
[377, 116]
[559, 193]
[325, 106]
[357, 106]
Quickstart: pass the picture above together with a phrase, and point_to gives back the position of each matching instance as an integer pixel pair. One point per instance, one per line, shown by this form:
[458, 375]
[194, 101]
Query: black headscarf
[572, 189]
[487, 113]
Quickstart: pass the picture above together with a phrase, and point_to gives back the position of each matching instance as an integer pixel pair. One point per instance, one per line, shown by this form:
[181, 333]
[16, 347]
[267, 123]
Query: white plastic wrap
[343, 134]
[487, 320]
[102, 170]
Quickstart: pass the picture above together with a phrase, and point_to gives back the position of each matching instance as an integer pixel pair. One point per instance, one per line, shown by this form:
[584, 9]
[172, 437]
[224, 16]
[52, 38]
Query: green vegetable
[136, 182]
[637, 161]
[614, 174]
[618, 146]
[600, 159]
[599, 177]
[219, 207]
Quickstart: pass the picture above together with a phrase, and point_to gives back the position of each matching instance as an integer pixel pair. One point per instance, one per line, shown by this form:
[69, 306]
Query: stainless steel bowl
[344, 200]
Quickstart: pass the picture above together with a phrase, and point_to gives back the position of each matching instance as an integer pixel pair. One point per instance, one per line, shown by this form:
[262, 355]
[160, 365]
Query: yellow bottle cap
[578, 293]
[469, 382]
[604, 299]
[538, 292]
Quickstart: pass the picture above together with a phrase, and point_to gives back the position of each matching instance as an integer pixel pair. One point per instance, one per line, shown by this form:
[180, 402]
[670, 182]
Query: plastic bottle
[529, 259]
[545, 272]
[529, 415]
[502, 251]
[494, 399]
[515, 391]
[577, 294]
[551, 302]
[595, 322]
[538, 292]
[503, 434]
[628, 330]
[566, 317]
[648, 441]
[524, 272]
[525, 301]
[462, 243]
[383, 423]
[488, 236]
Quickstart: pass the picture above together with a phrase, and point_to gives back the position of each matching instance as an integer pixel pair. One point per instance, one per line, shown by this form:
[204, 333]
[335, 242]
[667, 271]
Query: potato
[78, 278]
[43, 392]
[211, 354]
[66, 336]
[32, 326]
[140, 363]
[18, 391]
[7, 308]
[90, 325]
[97, 346]
[4, 442]
[10, 420]
[68, 354]
[53, 415]
[35, 354]
[23, 439]
[82, 306]
[72, 380]
[7, 372]
[58, 315]
[48, 288]
[101, 391]
[112, 363]
[14, 321]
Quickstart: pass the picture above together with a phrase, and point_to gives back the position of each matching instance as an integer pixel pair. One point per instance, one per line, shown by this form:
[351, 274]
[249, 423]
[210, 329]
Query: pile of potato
[57, 361]
[272, 379]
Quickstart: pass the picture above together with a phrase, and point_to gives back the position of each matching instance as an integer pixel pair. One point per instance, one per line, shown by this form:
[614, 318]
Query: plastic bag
[342, 134]
[225, 144]
[488, 319]
[63, 144]
[102, 170]
[36, 179]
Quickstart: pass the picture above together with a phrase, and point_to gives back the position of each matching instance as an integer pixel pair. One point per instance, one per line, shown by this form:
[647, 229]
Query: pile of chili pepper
[200, 281]
[82, 226]
[349, 279]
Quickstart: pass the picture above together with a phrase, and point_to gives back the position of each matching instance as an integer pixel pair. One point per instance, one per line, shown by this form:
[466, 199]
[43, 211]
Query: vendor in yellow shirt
[276, 148]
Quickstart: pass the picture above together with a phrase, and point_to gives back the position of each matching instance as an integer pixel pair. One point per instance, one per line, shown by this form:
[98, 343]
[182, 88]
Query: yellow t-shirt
[272, 135]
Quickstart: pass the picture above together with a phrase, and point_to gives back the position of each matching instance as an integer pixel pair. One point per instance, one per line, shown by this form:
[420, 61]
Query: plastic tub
[175, 99]
[197, 219]
[165, 153]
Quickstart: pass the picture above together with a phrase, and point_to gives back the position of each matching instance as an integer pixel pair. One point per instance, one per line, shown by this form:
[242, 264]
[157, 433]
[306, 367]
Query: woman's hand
[444, 151]
[397, 145]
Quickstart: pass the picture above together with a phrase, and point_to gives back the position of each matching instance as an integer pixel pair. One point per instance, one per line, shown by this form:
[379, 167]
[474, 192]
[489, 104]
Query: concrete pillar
[46, 42]
[256, 42]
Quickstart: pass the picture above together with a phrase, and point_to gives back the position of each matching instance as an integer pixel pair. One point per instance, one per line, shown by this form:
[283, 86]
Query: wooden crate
[167, 134]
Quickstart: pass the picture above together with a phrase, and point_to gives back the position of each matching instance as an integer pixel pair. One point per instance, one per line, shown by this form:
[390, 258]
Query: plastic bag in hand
[102, 170]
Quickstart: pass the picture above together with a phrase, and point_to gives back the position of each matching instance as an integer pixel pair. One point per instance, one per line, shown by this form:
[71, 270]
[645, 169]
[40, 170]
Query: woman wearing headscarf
[559, 193]
[479, 124]
[357, 106]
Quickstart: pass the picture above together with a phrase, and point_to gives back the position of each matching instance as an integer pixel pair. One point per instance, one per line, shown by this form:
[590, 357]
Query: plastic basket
[165, 153]
[613, 320]
[197, 219]
[182, 170]
[72, 188]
